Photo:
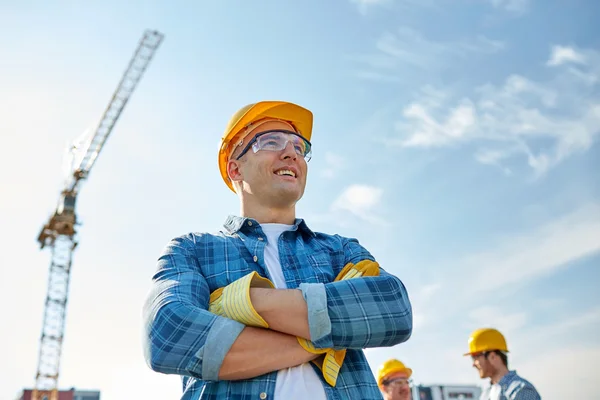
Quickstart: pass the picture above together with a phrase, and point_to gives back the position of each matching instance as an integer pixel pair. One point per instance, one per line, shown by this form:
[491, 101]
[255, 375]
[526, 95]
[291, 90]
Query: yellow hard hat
[389, 367]
[486, 339]
[299, 117]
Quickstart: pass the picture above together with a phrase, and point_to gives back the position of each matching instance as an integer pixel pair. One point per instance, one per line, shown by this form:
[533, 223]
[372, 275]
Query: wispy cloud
[361, 201]
[514, 6]
[517, 7]
[507, 120]
[429, 290]
[495, 157]
[407, 45]
[588, 318]
[406, 48]
[364, 5]
[457, 125]
[334, 164]
[518, 258]
[369, 2]
[582, 64]
[421, 298]
[564, 54]
[530, 255]
[578, 362]
[498, 318]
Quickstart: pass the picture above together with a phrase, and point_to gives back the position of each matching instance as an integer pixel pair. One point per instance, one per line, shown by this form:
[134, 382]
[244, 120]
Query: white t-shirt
[299, 382]
[495, 390]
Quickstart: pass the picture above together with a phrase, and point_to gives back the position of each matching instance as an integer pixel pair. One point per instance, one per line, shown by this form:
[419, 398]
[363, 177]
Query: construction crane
[59, 232]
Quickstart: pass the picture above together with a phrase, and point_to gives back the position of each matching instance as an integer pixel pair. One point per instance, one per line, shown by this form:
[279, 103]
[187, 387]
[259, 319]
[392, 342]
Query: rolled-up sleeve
[358, 313]
[181, 336]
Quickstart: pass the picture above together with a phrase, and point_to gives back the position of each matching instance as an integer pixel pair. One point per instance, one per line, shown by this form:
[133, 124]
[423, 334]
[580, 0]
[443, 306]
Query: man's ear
[493, 357]
[233, 170]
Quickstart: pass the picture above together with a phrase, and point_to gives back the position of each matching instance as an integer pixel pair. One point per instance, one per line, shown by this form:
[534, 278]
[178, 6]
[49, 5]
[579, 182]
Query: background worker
[267, 308]
[488, 350]
[393, 378]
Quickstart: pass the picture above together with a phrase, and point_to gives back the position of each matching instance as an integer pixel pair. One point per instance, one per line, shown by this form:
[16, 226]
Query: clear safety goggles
[277, 140]
[398, 382]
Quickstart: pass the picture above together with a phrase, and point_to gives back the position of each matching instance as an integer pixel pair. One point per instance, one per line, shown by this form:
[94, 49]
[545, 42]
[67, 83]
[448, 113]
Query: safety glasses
[398, 382]
[483, 354]
[277, 140]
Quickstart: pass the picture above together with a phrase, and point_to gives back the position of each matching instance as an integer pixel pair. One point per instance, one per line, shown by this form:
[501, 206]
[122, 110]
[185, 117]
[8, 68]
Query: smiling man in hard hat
[268, 308]
[393, 378]
[489, 352]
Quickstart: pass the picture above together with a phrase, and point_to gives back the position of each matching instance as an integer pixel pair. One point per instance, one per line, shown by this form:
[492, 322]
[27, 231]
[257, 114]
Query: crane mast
[59, 232]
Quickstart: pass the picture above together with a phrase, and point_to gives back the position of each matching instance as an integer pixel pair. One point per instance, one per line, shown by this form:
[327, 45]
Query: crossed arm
[183, 338]
[285, 310]
[247, 357]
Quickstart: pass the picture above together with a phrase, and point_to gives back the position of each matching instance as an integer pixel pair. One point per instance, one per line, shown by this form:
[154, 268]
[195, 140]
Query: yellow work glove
[363, 268]
[330, 365]
[333, 359]
[233, 300]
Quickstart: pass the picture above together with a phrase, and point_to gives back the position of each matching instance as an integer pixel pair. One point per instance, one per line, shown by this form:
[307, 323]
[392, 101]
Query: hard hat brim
[475, 352]
[406, 370]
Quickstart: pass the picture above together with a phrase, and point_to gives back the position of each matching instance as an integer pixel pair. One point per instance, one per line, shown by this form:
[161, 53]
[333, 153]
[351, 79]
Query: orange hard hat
[299, 117]
[486, 339]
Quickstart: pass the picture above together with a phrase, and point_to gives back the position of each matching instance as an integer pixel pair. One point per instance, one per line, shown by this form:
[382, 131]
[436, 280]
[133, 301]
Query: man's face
[397, 387]
[482, 363]
[276, 178]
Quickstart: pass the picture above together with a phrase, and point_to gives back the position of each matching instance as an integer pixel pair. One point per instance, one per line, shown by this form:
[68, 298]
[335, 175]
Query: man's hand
[362, 268]
[233, 301]
[330, 364]
[333, 359]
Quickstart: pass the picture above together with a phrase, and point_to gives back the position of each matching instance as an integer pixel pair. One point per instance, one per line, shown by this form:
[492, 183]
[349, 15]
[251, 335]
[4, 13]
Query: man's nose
[289, 150]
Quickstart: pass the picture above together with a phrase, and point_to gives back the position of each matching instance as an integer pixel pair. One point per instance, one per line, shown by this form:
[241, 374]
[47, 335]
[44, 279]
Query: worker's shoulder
[202, 238]
[519, 386]
[336, 237]
[328, 239]
[524, 382]
[349, 246]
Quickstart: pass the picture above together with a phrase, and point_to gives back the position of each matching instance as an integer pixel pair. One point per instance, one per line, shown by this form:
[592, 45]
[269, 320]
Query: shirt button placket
[263, 396]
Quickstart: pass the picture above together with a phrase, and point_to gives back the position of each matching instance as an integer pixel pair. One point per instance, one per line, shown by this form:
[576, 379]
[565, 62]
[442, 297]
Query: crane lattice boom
[59, 232]
[131, 77]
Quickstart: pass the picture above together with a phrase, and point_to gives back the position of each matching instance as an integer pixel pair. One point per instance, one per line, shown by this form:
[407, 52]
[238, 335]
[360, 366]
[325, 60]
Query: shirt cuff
[219, 340]
[319, 323]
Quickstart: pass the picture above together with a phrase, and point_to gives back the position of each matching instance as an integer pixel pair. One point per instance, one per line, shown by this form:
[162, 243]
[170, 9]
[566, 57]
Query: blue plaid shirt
[513, 387]
[183, 338]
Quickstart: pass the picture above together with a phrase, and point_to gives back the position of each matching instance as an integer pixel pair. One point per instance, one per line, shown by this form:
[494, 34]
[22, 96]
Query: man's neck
[499, 374]
[270, 215]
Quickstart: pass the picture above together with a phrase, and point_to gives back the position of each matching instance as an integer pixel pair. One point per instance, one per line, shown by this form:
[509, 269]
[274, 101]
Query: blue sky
[457, 140]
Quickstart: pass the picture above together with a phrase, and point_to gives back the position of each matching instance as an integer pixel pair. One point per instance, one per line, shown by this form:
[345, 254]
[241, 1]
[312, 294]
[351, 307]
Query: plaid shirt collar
[234, 224]
[507, 378]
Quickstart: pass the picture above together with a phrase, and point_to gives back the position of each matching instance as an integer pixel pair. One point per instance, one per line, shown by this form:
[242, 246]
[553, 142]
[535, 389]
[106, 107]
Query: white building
[446, 392]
